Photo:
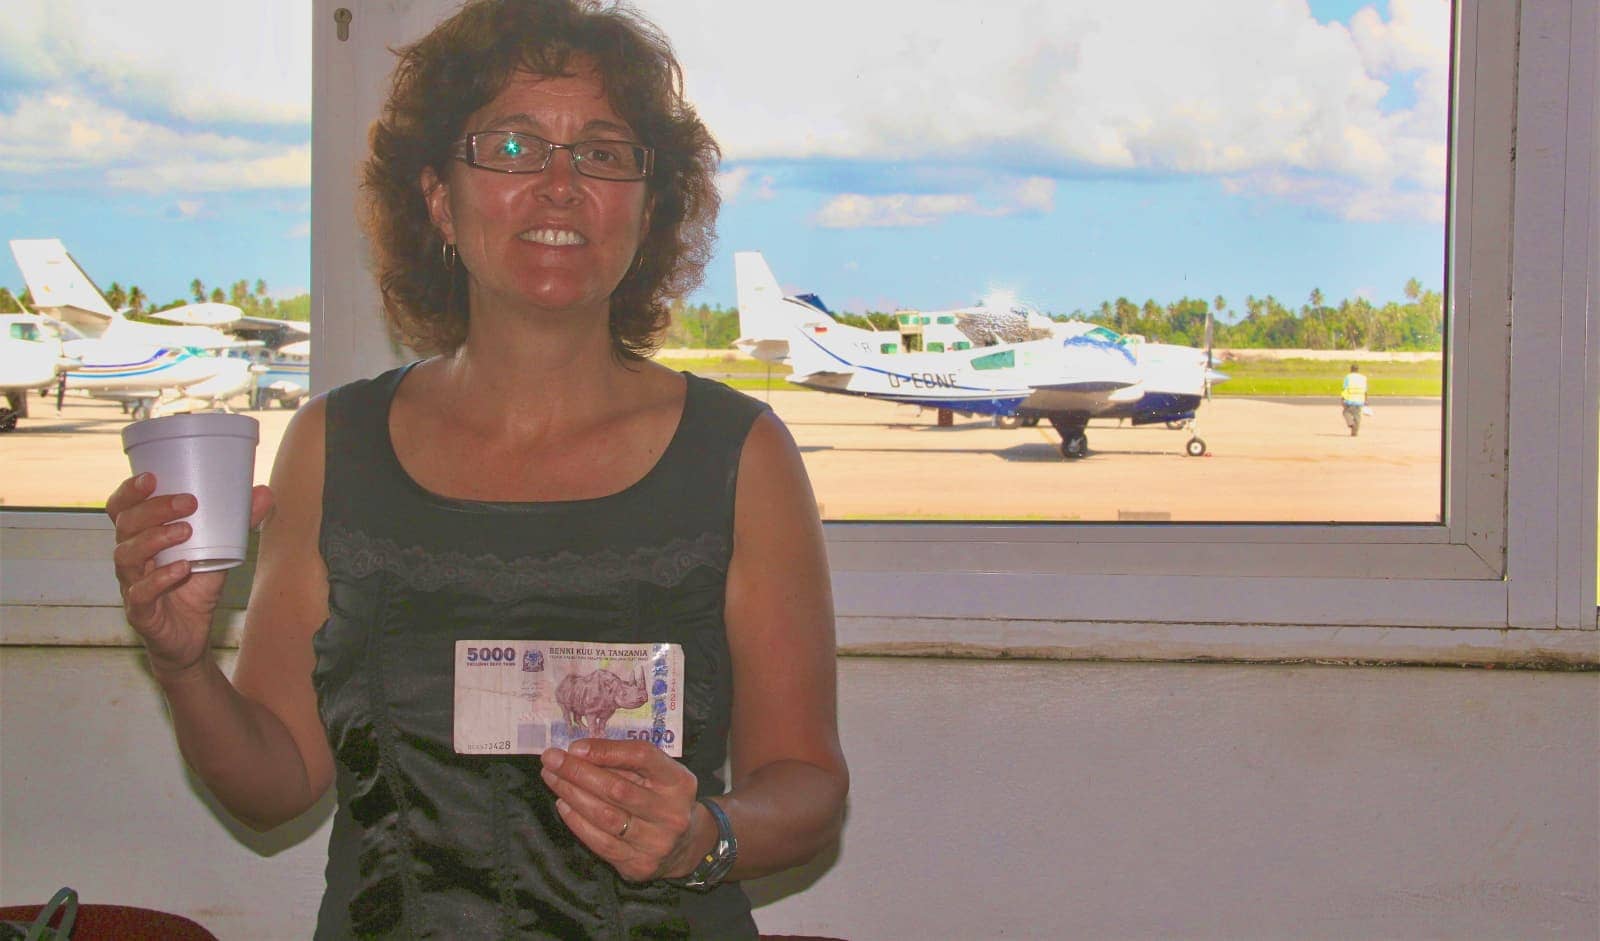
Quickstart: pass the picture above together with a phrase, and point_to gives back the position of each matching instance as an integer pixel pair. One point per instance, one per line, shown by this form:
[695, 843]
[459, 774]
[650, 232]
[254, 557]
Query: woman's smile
[553, 237]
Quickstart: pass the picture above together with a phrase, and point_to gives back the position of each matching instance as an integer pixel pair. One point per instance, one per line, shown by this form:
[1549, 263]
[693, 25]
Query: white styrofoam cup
[213, 456]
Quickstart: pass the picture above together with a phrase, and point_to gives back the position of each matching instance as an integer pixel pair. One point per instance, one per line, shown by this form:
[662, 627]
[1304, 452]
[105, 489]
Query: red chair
[119, 923]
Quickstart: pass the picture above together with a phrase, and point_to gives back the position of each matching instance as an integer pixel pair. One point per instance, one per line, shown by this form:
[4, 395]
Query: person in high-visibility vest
[1354, 397]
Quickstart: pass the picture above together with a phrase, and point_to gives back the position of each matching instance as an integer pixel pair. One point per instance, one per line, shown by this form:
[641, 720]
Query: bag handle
[64, 902]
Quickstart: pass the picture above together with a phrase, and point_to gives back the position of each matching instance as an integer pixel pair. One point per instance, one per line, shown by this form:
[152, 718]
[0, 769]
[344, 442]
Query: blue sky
[1063, 151]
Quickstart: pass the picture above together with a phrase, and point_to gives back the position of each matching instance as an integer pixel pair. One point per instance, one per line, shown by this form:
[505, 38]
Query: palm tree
[199, 290]
[116, 296]
[1413, 289]
[137, 299]
[217, 297]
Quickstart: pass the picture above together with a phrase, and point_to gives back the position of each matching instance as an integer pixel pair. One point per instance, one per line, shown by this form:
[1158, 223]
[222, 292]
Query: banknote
[519, 697]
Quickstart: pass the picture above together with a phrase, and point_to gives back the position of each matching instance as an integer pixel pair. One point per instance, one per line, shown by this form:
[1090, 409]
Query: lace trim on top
[489, 576]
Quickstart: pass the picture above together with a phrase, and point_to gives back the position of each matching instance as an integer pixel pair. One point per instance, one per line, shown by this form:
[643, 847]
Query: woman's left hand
[628, 802]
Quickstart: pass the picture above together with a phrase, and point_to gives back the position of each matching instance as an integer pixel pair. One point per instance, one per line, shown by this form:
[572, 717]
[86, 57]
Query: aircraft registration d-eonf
[1075, 372]
[155, 369]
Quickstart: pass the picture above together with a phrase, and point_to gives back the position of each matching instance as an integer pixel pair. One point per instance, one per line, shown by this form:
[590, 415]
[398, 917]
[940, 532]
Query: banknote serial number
[503, 745]
[491, 655]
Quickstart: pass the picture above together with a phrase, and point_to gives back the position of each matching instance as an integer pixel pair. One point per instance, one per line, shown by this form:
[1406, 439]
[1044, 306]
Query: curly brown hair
[462, 65]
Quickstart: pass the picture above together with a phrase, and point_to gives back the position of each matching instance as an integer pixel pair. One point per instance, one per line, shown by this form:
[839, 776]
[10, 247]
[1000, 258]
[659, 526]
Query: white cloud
[1227, 88]
[731, 184]
[1034, 194]
[288, 168]
[857, 211]
[190, 208]
[64, 133]
[185, 59]
[1349, 199]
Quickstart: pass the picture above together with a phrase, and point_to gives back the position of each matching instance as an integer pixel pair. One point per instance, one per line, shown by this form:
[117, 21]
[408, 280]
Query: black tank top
[427, 843]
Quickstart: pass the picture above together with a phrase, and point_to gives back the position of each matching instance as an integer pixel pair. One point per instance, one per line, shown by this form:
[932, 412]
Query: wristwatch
[714, 865]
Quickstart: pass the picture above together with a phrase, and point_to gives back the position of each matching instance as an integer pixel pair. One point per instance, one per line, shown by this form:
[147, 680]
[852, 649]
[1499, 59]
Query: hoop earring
[633, 269]
[447, 254]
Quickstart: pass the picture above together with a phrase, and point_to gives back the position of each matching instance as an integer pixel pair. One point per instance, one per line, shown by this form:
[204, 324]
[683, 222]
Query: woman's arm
[789, 774]
[257, 742]
[636, 808]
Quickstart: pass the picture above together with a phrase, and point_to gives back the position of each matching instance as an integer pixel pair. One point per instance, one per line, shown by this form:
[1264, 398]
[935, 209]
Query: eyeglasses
[517, 152]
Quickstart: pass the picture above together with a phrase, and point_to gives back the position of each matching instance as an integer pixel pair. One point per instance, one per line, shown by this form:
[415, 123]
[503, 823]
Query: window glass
[1001, 360]
[1247, 231]
[158, 228]
[1290, 195]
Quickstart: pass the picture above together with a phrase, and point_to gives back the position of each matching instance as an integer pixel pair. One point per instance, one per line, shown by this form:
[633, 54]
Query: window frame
[1509, 576]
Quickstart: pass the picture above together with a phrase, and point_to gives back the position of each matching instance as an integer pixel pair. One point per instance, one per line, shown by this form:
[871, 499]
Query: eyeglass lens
[514, 152]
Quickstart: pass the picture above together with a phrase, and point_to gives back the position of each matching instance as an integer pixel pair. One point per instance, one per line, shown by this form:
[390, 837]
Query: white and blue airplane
[1080, 371]
[153, 368]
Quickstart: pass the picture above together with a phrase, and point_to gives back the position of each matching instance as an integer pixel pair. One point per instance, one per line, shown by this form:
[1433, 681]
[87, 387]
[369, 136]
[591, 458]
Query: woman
[537, 189]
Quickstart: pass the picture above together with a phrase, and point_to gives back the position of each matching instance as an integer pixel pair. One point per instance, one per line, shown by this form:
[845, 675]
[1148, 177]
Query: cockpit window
[1002, 360]
[24, 331]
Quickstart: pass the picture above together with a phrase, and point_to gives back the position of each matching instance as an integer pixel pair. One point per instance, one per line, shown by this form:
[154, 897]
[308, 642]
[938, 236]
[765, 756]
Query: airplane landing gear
[1195, 448]
[141, 410]
[16, 407]
[1074, 443]
[1006, 421]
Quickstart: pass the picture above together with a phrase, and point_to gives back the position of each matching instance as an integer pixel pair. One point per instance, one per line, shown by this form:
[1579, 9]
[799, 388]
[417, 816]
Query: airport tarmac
[1270, 460]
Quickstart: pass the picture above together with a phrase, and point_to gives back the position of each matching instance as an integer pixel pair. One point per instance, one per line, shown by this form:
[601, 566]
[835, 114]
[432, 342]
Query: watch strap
[714, 865]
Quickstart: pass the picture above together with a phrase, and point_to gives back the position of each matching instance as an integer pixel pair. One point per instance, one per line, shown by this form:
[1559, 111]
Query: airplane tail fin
[765, 323]
[59, 286]
[794, 330]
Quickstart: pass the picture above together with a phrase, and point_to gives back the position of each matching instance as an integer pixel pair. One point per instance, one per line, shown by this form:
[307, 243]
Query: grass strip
[1283, 377]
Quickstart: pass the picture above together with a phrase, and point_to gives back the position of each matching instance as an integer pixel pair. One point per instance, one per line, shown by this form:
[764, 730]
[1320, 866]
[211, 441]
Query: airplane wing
[205, 314]
[202, 338]
[271, 332]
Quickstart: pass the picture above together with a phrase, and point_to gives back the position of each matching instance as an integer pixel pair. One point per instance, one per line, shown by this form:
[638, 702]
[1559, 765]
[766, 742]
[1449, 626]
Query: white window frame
[1508, 577]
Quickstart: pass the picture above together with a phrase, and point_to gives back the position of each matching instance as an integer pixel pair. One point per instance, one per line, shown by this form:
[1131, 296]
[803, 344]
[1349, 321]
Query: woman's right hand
[169, 606]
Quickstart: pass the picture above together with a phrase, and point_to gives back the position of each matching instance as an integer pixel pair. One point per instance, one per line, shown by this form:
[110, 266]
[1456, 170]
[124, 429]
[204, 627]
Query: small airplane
[30, 358]
[281, 359]
[153, 368]
[1076, 372]
[282, 365]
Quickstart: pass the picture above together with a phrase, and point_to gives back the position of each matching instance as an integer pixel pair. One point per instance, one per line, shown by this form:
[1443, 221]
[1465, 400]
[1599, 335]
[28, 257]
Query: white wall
[991, 799]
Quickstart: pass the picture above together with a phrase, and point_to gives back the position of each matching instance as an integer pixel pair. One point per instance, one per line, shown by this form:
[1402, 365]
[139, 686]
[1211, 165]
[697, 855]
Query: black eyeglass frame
[466, 150]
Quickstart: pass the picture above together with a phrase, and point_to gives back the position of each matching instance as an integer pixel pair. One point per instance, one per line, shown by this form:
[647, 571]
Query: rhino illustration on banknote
[587, 700]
